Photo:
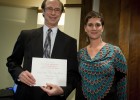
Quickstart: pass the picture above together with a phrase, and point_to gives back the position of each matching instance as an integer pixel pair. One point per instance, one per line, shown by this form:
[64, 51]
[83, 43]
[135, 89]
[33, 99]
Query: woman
[102, 66]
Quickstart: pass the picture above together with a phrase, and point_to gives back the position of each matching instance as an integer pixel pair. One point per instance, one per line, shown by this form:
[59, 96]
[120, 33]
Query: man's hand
[52, 89]
[27, 78]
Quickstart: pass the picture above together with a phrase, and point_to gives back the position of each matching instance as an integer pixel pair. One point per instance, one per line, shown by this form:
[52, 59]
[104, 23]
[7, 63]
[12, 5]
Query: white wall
[72, 22]
[12, 21]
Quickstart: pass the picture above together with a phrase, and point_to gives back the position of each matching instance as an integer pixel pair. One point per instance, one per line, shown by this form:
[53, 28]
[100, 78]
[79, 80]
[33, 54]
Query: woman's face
[52, 12]
[94, 28]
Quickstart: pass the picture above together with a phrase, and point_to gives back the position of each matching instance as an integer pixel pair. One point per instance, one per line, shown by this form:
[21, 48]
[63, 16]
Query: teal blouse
[99, 74]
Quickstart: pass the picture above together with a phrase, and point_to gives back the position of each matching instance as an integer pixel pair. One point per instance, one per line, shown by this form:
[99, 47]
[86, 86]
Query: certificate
[48, 70]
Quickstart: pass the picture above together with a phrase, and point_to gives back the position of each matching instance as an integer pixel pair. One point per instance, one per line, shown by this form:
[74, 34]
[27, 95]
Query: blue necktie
[47, 45]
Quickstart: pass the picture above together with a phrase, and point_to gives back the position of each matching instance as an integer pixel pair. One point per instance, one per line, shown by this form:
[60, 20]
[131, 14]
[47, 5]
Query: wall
[12, 21]
[73, 1]
[21, 3]
[72, 22]
[134, 46]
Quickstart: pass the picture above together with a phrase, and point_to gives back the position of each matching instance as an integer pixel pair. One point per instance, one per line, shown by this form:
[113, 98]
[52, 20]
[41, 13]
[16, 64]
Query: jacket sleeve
[14, 61]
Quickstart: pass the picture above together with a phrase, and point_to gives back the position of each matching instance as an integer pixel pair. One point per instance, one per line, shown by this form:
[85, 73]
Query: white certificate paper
[48, 70]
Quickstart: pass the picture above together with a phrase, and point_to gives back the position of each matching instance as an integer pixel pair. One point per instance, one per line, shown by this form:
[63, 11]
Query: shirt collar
[54, 29]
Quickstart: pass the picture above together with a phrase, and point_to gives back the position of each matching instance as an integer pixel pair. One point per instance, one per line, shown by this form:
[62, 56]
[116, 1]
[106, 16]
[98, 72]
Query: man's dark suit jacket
[30, 44]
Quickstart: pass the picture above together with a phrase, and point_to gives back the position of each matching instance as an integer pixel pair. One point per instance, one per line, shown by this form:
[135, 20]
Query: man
[30, 43]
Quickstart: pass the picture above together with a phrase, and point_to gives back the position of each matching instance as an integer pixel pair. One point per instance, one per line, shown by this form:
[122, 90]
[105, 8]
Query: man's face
[52, 13]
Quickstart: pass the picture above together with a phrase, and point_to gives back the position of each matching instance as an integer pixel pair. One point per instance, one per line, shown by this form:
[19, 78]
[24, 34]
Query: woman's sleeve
[121, 74]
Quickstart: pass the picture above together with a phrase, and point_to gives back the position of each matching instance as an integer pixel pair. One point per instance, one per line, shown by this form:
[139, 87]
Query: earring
[87, 39]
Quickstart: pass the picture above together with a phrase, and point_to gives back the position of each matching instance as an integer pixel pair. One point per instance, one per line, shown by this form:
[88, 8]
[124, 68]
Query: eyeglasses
[50, 9]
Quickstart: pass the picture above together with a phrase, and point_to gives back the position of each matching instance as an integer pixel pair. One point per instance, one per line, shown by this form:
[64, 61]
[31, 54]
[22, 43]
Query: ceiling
[23, 3]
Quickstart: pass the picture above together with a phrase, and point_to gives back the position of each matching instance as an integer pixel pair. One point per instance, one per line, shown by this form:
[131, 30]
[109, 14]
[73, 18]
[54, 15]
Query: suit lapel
[57, 45]
[37, 43]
